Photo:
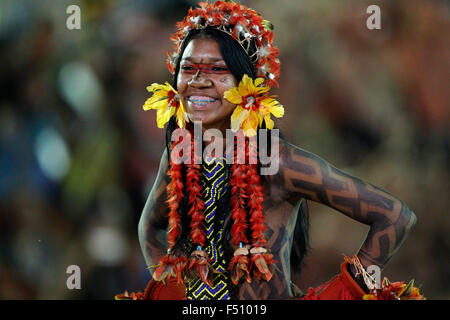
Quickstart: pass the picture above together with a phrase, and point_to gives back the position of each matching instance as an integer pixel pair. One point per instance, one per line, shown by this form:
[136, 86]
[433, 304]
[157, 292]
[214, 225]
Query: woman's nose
[199, 80]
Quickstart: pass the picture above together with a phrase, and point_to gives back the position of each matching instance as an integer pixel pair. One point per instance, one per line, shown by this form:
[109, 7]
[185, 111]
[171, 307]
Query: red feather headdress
[245, 25]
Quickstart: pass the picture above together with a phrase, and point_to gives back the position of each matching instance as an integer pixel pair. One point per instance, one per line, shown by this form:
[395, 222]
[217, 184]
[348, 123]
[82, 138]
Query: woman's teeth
[201, 101]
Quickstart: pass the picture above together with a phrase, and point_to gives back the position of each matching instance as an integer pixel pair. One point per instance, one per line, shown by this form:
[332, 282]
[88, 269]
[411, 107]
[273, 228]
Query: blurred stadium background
[78, 155]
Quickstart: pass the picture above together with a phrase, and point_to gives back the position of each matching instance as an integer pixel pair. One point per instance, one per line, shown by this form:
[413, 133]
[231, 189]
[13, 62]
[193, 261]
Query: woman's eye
[187, 68]
[220, 69]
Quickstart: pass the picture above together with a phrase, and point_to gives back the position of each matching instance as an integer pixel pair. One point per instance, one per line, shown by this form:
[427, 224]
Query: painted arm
[307, 175]
[153, 223]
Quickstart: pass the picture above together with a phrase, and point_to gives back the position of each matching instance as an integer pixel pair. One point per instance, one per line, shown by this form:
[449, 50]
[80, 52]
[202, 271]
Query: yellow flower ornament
[166, 101]
[253, 106]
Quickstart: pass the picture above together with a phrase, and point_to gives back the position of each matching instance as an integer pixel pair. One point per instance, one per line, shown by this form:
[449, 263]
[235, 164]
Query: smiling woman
[231, 232]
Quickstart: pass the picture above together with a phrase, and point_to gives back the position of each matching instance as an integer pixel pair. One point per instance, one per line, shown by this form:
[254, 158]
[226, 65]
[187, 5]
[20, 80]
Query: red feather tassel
[238, 197]
[256, 197]
[239, 214]
[195, 200]
[199, 266]
[261, 260]
[175, 194]
[239, 266]
[170, 266]
[262, 263]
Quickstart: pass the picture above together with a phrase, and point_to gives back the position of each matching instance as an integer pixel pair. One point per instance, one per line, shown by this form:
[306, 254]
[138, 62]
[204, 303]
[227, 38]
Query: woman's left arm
[307, 175]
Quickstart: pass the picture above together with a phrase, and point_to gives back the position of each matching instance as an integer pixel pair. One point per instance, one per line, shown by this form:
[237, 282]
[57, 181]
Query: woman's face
[202, 80]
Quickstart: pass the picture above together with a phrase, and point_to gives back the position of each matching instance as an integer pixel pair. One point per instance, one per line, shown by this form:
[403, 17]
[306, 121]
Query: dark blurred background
[78, 155]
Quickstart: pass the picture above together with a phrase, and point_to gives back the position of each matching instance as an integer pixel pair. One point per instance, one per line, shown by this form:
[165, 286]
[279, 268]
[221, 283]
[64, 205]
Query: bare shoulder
[277, 168]
[301, 172]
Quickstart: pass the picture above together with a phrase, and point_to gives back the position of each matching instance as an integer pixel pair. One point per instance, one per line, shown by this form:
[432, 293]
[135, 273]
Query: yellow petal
[250, 124]
[154, 87]
[258, 81]
[236, 113]
[147, 104]
[269, 122]
[254, 119]
[161, 89]
[269, 102]
[277, 111]
[168, 114]
[181, 115]
[238, 116]
[249, 131]
[163, 115]
[233, 96]
[169, 87]
[160, 118]
[260, 118]
[246, 86]
[261, 90]
[155, 103]
[160, 94]
[152, 100]
[273, 106]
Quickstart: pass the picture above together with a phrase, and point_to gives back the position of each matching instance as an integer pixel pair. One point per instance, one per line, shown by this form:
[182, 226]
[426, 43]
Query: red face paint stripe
[193, 68]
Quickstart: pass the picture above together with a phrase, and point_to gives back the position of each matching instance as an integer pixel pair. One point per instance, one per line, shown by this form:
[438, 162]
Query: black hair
[239, 63]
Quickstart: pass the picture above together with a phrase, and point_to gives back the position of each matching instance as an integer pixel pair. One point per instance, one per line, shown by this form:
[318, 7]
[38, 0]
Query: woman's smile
[201, 102]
